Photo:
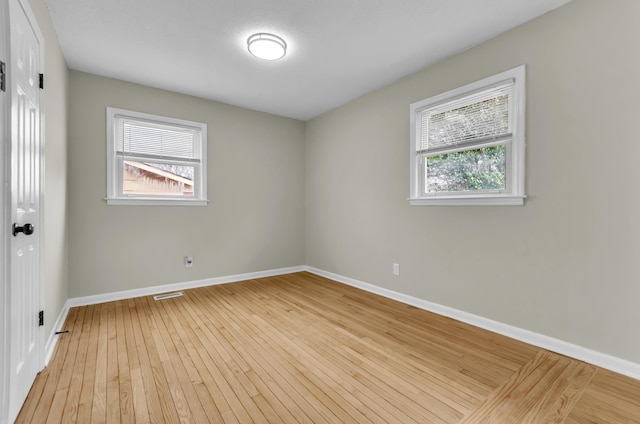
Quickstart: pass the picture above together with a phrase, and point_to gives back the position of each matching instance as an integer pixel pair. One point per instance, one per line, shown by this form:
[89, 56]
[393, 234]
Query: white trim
[42, 162]
[147, 291]
[140, 201]
[612, 363]
[471, 200]
[53, 338]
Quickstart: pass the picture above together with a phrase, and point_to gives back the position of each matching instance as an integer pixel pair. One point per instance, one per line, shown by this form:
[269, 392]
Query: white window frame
[115, 195]
[515, 147]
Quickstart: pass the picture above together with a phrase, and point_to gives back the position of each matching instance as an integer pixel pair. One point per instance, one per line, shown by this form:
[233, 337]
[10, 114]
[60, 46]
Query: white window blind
[479, 117]
[152, 140]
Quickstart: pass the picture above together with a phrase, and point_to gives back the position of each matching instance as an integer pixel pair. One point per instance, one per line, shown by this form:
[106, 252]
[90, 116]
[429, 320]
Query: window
[154, 160]
[467, 145]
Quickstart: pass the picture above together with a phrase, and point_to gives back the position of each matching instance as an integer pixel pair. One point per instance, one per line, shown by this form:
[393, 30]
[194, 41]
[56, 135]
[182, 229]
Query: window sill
[469, 200]
[141, 201]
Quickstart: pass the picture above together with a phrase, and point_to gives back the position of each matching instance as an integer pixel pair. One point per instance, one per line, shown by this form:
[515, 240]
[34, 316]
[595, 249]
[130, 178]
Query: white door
[25, 334]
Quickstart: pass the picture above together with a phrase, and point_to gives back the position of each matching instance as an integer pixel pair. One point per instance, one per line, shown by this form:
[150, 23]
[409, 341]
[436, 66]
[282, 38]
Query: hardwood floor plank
[199, 376]
[361, 343]
[112, 383]
[538, 392]
[138, 395]
[99, 405]
[209, 392]
[388, 390]
[85, 405]
[303, 405]
[226, 338]
[379, 349]
[610, 398]
[563, 396]
[157, 356]
[292, 365]
[28, 410]
[82, 331]
[154, 410]
[301, 348]
[125, 390]
[436, 350]
[221, 392]
[206, 343]
[179, 363]
[309, 359]
[64, 382]
[442, 329]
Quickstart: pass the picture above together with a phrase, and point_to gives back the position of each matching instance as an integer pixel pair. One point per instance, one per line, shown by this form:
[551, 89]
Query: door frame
[5, 206]
[5, 106]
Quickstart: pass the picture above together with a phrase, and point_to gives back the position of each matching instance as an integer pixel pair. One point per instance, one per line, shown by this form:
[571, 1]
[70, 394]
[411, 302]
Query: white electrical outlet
[188, 261]
[396, 269]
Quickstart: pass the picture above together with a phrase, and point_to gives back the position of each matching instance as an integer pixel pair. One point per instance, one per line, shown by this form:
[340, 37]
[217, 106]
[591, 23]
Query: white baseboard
[147, 291]
[53, 338]
[593, 357]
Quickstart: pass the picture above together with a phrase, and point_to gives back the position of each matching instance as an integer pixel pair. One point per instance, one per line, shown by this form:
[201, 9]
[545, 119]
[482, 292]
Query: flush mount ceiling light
[266, 46]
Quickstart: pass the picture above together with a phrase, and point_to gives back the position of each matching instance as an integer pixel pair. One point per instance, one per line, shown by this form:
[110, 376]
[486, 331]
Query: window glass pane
[148, 178]
[471, 170]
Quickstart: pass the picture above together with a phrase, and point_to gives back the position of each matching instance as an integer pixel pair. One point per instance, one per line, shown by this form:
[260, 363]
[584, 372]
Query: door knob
[27, 229]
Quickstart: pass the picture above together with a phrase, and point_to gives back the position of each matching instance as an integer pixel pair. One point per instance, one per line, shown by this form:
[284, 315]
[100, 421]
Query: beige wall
[55, 208]
[565, 264]
[255, 219]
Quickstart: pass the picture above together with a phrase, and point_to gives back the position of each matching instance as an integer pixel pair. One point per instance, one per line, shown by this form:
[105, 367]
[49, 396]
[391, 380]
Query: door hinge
[42, 81]
[3, 76]
[40, 318]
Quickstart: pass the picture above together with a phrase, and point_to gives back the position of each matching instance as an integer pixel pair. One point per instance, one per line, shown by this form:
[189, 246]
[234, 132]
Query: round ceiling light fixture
[266, 46]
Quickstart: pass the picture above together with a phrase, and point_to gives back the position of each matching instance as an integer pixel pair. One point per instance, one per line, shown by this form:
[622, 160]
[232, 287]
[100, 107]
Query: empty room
[336, 211]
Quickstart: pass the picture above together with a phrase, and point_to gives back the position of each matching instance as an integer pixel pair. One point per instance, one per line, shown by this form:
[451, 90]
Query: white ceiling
[338, 49]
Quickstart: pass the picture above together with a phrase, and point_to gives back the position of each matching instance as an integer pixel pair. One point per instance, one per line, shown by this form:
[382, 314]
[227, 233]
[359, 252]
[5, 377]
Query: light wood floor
[300, 348]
